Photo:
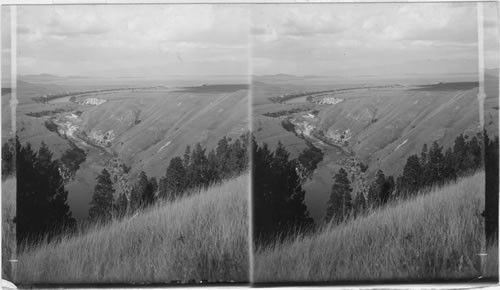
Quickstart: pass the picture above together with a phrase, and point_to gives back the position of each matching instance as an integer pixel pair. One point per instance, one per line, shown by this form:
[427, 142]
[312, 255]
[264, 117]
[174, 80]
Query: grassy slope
[203, 236]
[434, 236]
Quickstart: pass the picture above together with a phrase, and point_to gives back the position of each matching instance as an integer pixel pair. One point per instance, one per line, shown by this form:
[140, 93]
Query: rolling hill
[432, 237]
[378, 125]
[202, 237]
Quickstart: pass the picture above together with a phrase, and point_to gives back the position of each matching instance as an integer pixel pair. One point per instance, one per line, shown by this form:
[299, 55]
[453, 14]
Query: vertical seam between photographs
[13, 120]
[497, 42]
[250, 152]
[480, 97]
[13, 66]
[1, 127]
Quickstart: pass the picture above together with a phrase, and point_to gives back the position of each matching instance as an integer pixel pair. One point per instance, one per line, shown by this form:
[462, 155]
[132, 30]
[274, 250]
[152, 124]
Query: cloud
[329, 38]
[114, 39]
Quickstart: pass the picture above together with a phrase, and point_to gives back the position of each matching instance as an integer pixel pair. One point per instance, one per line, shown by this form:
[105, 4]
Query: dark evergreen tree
[472, 160]
[222, 154]
[175, 181]
[491, 187]
[187, 155]
[101, 206]
[278, 197]
[339, 205]
[387, 189]
[409, 183]
[459, 151]
[436, 164]
[449, 172]
[149, 195]
[213, 167]
[309, 159]
[42, 209]
[8, 158]
[198, 167]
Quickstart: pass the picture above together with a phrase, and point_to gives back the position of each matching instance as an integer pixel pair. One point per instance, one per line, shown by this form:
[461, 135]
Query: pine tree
[339, 205]
[449, 172]
[199, 166]
[473, 157]
[278, 197]
[41, 198]
[8, 158]
[490, 213]
[436, 163]
[410, 182]
[102, 201]
[459, 150]
[175, 181]
[213, 167]
[187, 154]
[222, 153]
[149, 195]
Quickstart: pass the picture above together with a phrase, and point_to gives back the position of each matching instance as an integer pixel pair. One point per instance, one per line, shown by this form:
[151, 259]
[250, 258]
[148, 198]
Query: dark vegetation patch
[440, 87]
[48, 112]
[285, 112]
[283, 98]
[51, 126]
[309, 159]
[72, 158]
[73, 95]
[42, 208]
[287, 125]
[223, 88]
[6, 91]
[286, 97]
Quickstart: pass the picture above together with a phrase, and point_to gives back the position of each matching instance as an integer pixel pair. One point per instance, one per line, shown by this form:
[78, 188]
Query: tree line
[41, 200]
[277, 194]
[278, 197]
[195, 169]
[432, 167]
[42, 208]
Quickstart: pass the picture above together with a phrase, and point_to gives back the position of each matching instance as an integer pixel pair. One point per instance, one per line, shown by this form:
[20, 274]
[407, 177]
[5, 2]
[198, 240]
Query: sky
[371, 39]
[133, 40]
[156, 41]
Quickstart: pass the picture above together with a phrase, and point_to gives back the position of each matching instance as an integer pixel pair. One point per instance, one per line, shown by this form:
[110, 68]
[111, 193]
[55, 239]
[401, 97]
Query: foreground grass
[8, 226]
[431, 237]
[201, 237]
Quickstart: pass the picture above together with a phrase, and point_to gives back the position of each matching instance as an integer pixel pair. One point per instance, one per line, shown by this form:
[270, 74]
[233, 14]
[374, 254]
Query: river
[318, 187]
[81, 188]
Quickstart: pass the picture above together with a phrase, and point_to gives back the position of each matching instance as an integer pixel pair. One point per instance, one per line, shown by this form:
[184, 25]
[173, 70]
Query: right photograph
[374, 143]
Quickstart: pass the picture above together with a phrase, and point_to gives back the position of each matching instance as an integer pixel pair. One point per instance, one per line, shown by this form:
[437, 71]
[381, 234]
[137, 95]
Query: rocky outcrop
[91, 101]
[338, 137]
[328, 101]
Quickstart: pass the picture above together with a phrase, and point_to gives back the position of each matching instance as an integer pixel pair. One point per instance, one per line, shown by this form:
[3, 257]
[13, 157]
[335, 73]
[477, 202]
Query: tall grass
[8, 227]
[434, 236]
[200, 237]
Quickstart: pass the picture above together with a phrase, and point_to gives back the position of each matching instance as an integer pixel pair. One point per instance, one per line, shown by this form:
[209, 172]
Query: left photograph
[126, 153]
